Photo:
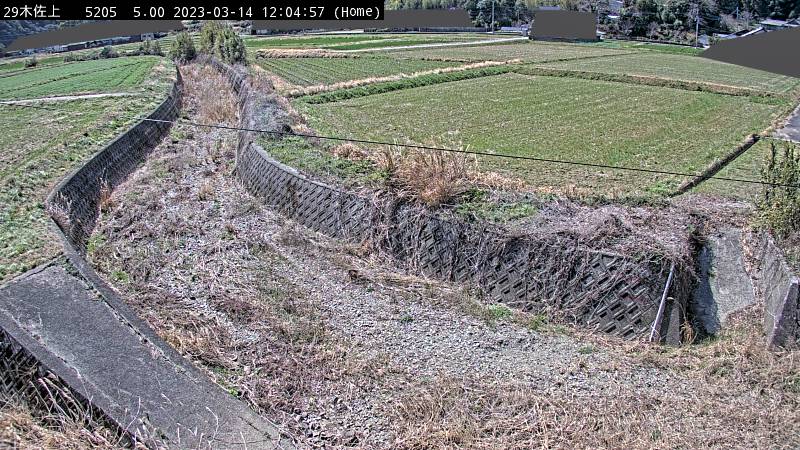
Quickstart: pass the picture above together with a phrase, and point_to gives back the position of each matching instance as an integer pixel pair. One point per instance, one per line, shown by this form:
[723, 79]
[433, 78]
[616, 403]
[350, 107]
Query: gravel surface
[341, 349]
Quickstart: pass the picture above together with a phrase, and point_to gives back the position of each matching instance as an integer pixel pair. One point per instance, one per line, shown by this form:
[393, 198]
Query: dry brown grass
[490, 414]
[105, 200]
[432, 177]
[213, 106]
[275, 82]
[22, 429]
[348, 150]
[737, 356]
[206, 191]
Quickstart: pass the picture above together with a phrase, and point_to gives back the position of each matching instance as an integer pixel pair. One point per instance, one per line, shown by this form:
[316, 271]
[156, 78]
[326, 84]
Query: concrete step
[724, 286]
[161, 399]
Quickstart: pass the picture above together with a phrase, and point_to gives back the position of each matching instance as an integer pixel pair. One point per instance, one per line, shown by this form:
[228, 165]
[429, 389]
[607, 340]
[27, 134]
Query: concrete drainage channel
[612, 293]
[61, 325]
[69, 343]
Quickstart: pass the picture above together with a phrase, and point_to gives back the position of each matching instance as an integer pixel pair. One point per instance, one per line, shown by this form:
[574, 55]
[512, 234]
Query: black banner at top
[216, 10]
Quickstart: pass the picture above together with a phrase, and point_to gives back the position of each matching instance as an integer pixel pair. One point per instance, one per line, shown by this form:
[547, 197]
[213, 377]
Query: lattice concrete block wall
[75, 202]
[612, 293]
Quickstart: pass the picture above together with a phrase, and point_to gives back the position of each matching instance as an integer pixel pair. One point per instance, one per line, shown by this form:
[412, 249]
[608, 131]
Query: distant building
[522, 29]
[773, 24]
[766, 26]
[615, 7]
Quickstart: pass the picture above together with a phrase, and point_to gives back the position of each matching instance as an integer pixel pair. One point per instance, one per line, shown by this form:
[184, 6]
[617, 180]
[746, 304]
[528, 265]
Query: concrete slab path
[165, 401]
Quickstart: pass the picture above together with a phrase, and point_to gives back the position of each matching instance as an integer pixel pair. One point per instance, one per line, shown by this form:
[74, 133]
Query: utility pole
[493, 1]
[697, 26]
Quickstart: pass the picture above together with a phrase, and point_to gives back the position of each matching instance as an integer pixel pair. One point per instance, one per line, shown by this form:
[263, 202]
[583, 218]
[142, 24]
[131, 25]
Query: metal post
[697, 27]
[493, 1]
[655, 334]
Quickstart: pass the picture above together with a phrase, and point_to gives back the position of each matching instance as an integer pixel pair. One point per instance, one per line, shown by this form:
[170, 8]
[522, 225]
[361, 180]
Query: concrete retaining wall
[611, 293]
[75, 202]
[780, 287]
[29, 369]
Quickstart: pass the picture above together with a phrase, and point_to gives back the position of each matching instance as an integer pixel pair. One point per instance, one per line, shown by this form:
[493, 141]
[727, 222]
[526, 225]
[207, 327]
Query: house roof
[758, 30]
[779, 23]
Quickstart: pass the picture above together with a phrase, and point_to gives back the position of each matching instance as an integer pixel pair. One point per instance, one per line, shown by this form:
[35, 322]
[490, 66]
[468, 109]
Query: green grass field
[748, 166]
[104, 75]
[310, 71]
[17, 64]
[526, 51]
[37, 148]
[354, 41]
[646, 47]
[561, 118]
[682, 67]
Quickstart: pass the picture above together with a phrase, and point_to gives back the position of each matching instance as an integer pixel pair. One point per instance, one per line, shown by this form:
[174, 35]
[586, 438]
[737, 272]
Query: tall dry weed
[211, 97]
[433, 177]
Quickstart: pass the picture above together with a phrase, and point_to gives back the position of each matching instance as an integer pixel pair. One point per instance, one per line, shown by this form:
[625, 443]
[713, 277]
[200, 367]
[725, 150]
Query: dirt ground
[340, 349]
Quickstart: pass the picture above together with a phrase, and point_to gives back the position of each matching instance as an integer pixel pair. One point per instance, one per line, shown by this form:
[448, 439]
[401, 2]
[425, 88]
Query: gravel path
[791, 129]
[62, 98]
[342, 349]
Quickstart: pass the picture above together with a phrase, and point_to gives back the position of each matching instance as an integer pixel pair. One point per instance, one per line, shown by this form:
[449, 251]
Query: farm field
[560, 118]
[104, 75]
[354, 41]
[748, 166]
[681, 67]
[39, 147]
[16, 64]
[646, 46]
[310, 71]
[526, 51]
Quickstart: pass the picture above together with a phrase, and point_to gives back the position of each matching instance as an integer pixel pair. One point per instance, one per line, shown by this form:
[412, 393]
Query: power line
[448, 150]
[477, 153]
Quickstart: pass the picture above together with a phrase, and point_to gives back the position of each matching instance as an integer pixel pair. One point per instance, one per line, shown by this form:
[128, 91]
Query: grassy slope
[38, 148]
[562, 118]
[681, 67]
[309, 71]
[747, 167]
[106, 75]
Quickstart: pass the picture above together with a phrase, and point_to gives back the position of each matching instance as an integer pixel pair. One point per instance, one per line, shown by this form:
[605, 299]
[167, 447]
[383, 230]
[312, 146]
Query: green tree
[230, 47]
[108, 52]
[208, 36]
[182, 49]
[784, 9]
